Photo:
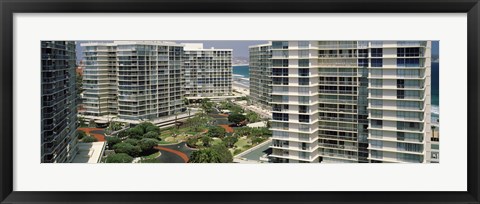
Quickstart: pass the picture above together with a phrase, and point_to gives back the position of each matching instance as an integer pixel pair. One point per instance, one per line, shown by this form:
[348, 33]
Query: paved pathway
[175, 153]
[98, 133]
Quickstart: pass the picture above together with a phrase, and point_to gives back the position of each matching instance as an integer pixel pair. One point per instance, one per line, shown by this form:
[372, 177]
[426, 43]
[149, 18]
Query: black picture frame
[10, 7]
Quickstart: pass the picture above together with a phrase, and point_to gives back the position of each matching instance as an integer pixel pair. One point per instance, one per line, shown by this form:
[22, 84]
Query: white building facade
[135, 80]
[260, 71]
[208, 72]
[351, 101]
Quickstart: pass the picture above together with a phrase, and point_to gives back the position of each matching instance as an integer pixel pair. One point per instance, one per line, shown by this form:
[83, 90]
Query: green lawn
[152, 156]
[216, 141]
[242, 142]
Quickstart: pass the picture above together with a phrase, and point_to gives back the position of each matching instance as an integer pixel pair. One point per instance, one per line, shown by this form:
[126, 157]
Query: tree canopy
[127, 148]
[236, 118]
[119, 158]
[216, 131]
[214, 154]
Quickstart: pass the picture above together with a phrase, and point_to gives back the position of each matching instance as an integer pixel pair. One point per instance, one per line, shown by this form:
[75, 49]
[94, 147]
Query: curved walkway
[227, 128]
[176, 153]
[98, 133]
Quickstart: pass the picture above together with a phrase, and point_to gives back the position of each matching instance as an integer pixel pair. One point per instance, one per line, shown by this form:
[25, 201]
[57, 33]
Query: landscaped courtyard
[208, 137]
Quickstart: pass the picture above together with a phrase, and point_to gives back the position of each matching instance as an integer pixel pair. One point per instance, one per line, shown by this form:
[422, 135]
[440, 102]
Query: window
[376, 82]
[377, 103]
[302, 109]
[280, 71]
[376, 144]
[303, 44]
[280, 80]
[376, 154]
[409, 147]
[280, 116]
[303, 63]
[377, 113]
[363, 62]
[303, 90]
[303, 72]
[377, 62]
[376, 72]
[408, 62]
[376, 93]
[304, 118]
[303, 99]
[377, 123]
[280, 53]
[280, 62]
[303, 81]
[400, 94]
[408, 52]
[303, 53]
[280, 45]
[377, 52]
[400, 83]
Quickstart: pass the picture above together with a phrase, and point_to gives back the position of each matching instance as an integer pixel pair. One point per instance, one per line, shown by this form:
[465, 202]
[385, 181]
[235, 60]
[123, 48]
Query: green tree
[216, 131]
[252, 117]
[81, 134]
[207, 106]
[192, 142]
[152, 128]
[127, 148]
[236, 118]
[230, 141]
[111, 141]
[257, 140]
[119, 158]
[136, 132]
[243, 131]
[131, 141]
[151, 134]
[147, 144]
[206, 141]
[198, 122]
[215, 154]
[89, 139]
[225, 154]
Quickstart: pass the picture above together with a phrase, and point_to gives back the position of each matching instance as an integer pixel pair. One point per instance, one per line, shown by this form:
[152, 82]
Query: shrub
[215, 154]
[236, 118]
[89, 139]
[131, 141]
[119, 158]
[206, 141]
[230, 141]
[113, 141]
[192, 142]
[81, 134]
[136, 132]
[237, 151]
[151, 134]
[127, 148]
[216, 131]
[147, 144]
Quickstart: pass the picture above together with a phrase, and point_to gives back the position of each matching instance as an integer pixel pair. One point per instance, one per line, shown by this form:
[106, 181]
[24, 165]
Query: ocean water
[241, 70]
[435, 83]
[244, 71]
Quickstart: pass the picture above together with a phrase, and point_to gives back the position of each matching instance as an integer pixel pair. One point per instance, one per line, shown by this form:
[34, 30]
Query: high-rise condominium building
[208, 72]
[59, 139]
[260, 74]
[135, 80]
[350, 101]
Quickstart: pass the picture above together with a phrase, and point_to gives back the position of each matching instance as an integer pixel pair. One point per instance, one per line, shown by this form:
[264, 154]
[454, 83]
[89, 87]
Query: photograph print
[238, 101]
